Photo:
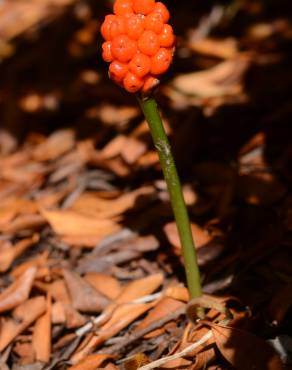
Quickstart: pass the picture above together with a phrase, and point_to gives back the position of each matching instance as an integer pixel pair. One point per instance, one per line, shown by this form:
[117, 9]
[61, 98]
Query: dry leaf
[91, 362]
[223, 79]
[105, 284]
[18, 292]
[201, 236]
[84, 297]
[244, 350]
[164, 307]
[65, 314]
[41, 338]
[91, 204]
[23, 222]
[226, 48]
[24, 315]
[121, 317]
[25, 351]
[72, 223]
[178, 292]
[59, 292]
[40, 261]
[10, 253]
[55, 145]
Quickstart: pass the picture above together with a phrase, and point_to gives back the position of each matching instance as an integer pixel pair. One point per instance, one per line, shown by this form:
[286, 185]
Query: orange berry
[161, 61]
[154, 22]
[166, 37]
[148, 43]
[106, 26]
[132, 83]
[118, 26]
[150, 83]
[134, 26]
[123, 48]
[140, 65]
[107, 51]
[162, 9]
[123, 7]
[117, 71]
[143, 6]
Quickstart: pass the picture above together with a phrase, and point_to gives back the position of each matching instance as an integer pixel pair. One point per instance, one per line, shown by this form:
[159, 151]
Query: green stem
[149, 108]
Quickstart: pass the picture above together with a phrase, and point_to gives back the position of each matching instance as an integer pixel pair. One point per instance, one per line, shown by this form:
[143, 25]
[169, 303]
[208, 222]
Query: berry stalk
[151, 113]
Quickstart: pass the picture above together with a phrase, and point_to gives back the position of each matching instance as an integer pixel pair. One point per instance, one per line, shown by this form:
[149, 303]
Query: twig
[188, 349]
[102, 317]
[139, 334]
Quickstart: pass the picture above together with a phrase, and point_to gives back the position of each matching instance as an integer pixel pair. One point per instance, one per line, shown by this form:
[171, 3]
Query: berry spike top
[139, 43]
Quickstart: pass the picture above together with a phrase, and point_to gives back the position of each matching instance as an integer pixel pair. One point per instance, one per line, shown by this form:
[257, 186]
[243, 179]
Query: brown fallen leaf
[244, 350]
[24, 315]
[13, 206]
[25, 351]
[179, 363]
[133, 150]
[84, 297]
[91, 362]
[223, 79]
[72, 223]
[178, 292]
[201, 236]
[139, 288]
[116, 115]
[110, 366]
[54, 146]
[58, 313]
[9, 254]
[91, 204]
[220, 48]
[165, 306]
[121, 317]
[39, 262]
[82, 241]
[204, 357]
[24, 222]
[105, 284]
[65, 314]
[17, 292]
[129, 148]
[41, 338]
[59, 292]
[114, 147]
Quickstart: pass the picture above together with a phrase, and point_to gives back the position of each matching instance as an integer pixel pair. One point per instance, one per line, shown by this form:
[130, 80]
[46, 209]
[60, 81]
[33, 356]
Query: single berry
[107, 51]
[154, 22]
[150, 83]
[140, 65]
[123, 7]
[166, 37]
[106, 26]
[162, 9]
[134, 26]
[143, 6]
[123, 48]
[118, 70]
[148, 43]
[118, 27]
[132, 83]
[161, 61]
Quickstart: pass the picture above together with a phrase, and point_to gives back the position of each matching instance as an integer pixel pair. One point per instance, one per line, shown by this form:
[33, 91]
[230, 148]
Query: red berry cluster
[139, 43]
